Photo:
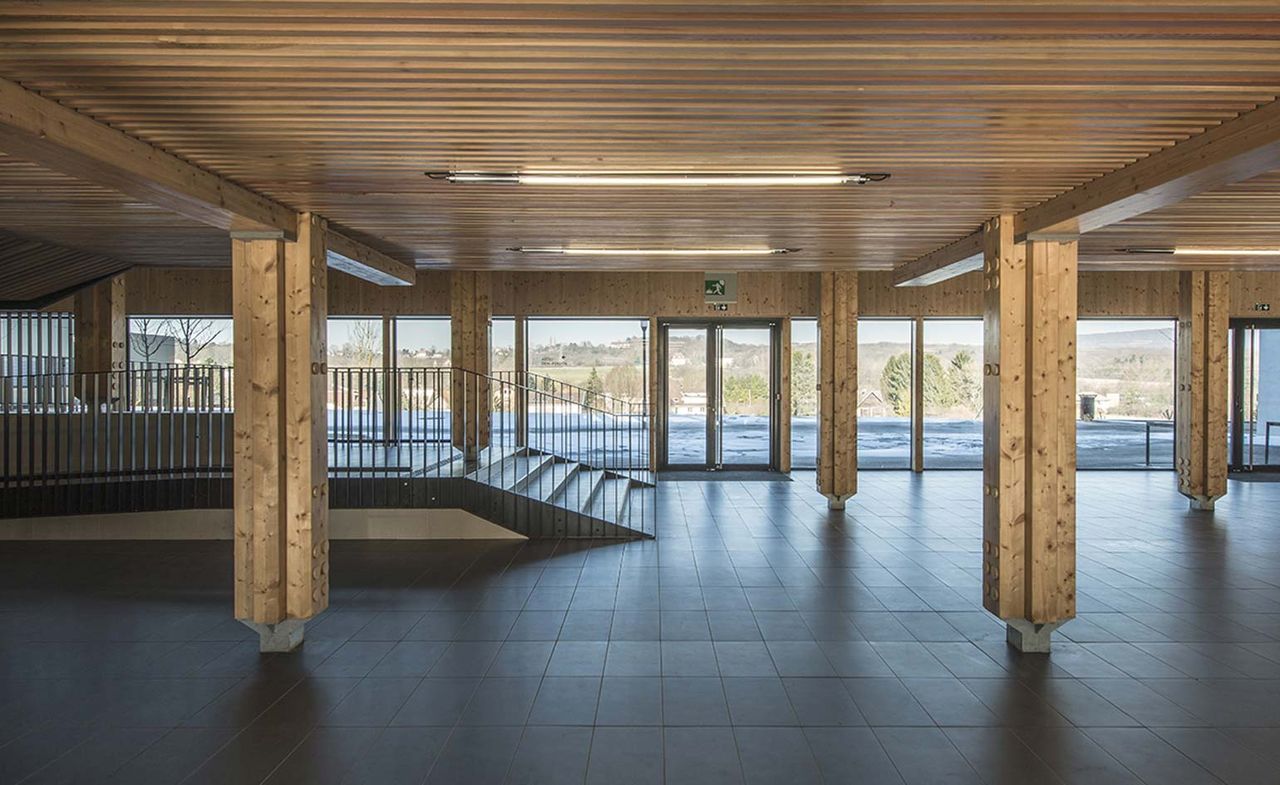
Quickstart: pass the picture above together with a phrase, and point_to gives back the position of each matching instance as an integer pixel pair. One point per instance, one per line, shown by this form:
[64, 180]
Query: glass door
[1255, 395]
[687, 419]
[720, 387]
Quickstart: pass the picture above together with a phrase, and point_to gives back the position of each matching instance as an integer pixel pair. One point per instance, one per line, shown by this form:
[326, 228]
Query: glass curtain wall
[502, 364]
[1125, 382]
[419, 386]
[180, 340]
[804, 394]
[953, 393]
[598, 363]
[884, 393]
[357, 389]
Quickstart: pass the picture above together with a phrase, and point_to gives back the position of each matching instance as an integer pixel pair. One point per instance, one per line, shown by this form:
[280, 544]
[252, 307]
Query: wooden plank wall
[155, 290]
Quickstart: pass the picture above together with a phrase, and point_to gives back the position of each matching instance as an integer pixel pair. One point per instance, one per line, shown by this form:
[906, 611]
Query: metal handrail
[161, 438]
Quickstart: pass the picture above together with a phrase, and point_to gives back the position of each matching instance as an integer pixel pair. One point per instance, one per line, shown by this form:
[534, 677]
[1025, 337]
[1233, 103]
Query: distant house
[872, 404]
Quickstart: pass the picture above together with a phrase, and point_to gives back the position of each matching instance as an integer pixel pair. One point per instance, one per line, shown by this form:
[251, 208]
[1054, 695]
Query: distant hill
[1154, 338]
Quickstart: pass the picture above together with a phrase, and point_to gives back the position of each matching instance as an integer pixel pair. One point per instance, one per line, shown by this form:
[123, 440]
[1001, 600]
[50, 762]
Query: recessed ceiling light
[581, 251]
[740, 180]
[1205, 251]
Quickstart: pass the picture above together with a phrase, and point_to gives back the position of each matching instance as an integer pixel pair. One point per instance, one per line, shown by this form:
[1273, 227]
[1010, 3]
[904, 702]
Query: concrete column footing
[1029, 637]
[284, 636]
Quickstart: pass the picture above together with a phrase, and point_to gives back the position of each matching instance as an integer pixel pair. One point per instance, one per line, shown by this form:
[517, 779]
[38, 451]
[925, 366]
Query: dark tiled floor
[759, 640]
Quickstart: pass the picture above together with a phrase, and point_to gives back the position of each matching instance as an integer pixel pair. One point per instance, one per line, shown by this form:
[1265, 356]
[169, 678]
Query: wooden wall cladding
[649, 294]
[1253, 288]
[665, 294]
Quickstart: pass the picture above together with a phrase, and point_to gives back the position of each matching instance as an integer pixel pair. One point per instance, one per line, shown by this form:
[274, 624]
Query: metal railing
[553, 465]
[160, 437]
[115, 441]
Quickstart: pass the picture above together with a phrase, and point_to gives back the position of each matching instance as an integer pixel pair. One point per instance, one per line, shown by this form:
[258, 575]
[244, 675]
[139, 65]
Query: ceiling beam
[1237, 150]
[49, 134]
[62, 139]
[949, 261]
[353, 258]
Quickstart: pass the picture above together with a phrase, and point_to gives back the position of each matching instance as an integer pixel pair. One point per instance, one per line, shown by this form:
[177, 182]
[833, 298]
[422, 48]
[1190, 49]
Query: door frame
[1236, 335]
[714, 415]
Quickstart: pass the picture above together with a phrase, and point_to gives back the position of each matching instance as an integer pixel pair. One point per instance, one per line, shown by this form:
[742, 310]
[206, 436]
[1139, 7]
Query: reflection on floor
[760, 639]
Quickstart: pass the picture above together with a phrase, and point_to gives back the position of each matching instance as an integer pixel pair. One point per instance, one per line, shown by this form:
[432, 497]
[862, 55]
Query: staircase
[540, 494]
[550, 460]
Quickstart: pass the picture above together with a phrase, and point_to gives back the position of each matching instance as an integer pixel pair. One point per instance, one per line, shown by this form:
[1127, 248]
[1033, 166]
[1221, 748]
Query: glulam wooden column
[101, 340]
[838, 387]
[470, 404]
[1029, 443]
[279, 307]
[1200, 400]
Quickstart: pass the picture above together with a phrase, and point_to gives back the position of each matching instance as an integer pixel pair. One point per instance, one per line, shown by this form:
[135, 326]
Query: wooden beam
[357, 259]
[949, 261]
[1200, 404]
[281, 458]
[1236, 150]
[49, 134]
[838, 387]
[1029, 443]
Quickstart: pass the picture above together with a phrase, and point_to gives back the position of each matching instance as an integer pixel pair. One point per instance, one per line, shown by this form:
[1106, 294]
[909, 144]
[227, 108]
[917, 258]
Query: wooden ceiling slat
[976, 108]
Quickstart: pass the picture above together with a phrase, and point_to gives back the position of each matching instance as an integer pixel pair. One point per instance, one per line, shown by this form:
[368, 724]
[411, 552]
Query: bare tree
[364, 346]
[192, 336]
[145, 340]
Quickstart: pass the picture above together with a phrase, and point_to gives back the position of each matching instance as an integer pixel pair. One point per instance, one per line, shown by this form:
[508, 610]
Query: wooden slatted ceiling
[976, 108]
[31, 270]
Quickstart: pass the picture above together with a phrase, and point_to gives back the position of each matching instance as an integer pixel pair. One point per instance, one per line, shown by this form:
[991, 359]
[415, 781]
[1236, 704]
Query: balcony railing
[160, 437]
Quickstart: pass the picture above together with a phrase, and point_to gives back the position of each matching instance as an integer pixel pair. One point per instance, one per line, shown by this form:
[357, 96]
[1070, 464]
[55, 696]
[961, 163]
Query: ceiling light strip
[577, 251]
[751, 180]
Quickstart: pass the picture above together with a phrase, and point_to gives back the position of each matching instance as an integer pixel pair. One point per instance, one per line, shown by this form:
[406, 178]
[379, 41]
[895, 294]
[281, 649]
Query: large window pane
[597, 362]
[502, 364]
[746, 387]
[804, 394]
[884, 393]
[600, 355]
[179, 340]
[422, 342]
[1125, 387]
[687, 396]
[1266, 389]
[953, 393]
[354, 343]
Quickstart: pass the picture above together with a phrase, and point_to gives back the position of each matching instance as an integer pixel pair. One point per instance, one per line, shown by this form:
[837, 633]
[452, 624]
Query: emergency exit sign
[720, 288]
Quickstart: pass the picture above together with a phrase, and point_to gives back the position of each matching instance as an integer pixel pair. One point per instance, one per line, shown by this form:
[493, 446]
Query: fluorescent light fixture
[578, 251]
[1206, 251]
[754, 180]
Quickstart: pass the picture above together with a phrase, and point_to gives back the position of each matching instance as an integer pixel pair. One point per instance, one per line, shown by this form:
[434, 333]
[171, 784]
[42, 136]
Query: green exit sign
[720, 288]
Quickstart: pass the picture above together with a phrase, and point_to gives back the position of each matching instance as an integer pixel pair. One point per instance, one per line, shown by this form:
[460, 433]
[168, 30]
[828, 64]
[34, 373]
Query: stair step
[551, 480]
[639, 511]
[610, 499]
[577, 493]
[506, 469]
